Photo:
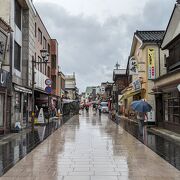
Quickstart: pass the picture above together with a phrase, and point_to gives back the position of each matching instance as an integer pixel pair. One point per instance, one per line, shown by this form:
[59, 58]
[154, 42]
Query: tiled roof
[150, 36]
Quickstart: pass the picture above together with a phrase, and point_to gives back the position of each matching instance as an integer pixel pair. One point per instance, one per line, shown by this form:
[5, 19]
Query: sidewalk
[172, 136]
[165, 133]
[15, 146]
[91, 147]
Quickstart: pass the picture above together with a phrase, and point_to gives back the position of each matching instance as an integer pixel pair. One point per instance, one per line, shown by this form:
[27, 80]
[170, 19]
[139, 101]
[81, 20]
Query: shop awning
[130, 94]
[22, 89]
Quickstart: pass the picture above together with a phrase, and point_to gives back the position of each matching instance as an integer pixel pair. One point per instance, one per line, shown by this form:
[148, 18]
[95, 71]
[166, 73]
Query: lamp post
[44, 55]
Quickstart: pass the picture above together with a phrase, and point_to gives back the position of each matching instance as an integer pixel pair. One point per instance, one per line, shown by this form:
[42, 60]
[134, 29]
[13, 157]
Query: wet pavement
[18, 145]
[89, 147]
[164, 147]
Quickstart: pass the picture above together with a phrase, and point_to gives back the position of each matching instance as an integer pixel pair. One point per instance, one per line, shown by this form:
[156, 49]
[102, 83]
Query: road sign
[48, 89]
[48, 82]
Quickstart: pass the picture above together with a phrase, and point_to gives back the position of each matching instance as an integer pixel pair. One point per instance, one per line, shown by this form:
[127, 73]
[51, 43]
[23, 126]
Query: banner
[136, 85]
[133, 67]
[151, 63]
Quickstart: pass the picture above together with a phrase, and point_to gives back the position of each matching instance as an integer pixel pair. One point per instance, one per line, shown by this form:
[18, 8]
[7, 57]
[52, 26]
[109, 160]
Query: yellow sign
[151, 63]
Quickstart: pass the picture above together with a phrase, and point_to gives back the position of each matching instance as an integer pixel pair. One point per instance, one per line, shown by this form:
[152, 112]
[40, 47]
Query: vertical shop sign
[133, 67]
[151, 63]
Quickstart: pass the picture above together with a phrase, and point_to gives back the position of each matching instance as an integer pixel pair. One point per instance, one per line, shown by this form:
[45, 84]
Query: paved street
[89, 147]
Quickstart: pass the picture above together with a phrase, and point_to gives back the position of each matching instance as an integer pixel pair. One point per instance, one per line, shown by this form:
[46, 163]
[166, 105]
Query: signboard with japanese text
[151, 63]
[151, 116]
[133, 66]
[136, 85]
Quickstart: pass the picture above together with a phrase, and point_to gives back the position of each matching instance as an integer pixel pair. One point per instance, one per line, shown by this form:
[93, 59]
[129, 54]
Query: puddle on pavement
[167, 149]
[18, 146]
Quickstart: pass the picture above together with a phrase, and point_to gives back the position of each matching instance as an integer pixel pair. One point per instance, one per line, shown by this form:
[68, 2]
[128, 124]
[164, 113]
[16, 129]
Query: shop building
[55, 73]
[42, 69]
[5, 78]
[120, 83]
[167, 86]
[20, 15]
[142, 69]
[70, 86]
[62, 84]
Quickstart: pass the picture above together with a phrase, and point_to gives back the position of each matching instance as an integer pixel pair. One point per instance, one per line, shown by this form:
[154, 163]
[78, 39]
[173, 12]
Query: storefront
[167, 97]
[132, 93]
[4, 101]
[21, 105]
[5, 78]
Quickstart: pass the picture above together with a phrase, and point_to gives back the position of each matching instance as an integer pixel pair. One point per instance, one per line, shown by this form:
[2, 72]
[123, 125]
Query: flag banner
[151, 63]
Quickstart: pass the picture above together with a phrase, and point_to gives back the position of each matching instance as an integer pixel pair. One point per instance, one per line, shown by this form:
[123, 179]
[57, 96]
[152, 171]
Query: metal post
[48, 108]
[33, 83]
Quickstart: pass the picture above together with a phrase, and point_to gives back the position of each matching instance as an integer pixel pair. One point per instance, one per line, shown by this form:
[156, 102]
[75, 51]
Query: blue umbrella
[141, 106]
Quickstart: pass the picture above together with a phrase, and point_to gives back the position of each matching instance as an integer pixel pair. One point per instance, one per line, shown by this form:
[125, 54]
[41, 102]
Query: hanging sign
[133, 67]
[136, 85]
[151, 63]
[151, 116]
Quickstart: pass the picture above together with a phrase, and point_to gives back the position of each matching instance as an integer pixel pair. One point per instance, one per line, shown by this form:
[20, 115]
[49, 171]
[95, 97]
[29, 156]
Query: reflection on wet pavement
[15, 148]
[89, 147]
[167, 149]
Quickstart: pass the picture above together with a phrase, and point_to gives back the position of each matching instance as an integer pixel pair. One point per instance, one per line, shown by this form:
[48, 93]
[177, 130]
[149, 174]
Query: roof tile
[150, 36]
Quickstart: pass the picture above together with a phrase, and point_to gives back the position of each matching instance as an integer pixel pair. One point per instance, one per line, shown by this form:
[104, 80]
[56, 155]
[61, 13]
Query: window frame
[19, 54]
[18, 17]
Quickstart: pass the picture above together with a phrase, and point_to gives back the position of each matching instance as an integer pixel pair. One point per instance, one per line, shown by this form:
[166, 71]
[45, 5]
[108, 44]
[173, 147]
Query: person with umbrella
[141, 107]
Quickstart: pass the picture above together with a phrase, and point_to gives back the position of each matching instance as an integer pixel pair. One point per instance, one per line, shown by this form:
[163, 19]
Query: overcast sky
[94, 34]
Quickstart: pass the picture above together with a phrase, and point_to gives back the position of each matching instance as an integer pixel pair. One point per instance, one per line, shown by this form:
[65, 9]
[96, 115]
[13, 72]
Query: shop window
[172, 108]
[17, 56]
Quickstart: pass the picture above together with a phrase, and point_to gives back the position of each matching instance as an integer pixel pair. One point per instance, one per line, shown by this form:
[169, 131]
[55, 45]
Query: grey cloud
[91, 48]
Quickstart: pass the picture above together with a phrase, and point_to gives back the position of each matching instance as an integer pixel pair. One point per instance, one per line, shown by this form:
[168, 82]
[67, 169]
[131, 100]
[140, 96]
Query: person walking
[99, 108]
[141, 118]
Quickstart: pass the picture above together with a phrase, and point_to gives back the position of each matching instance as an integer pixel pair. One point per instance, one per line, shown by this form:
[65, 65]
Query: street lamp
[45, 56]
